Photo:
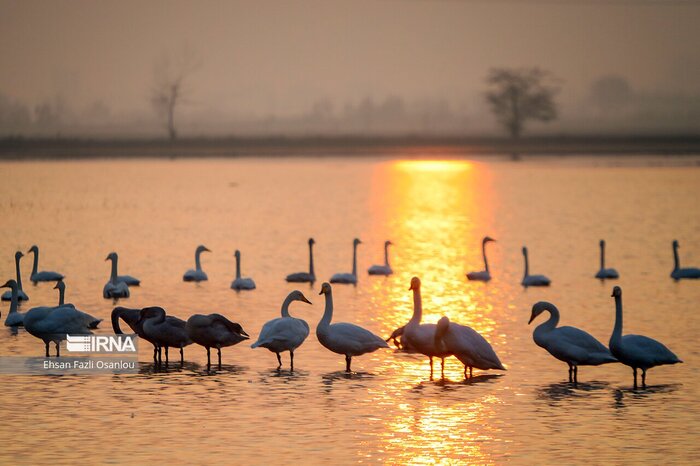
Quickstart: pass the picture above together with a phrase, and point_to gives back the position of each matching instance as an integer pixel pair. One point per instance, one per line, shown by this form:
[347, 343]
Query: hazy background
[344, 67]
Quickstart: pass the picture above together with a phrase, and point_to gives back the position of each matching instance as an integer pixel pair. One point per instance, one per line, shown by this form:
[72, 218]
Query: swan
[52, 324]
[21, 295]
[421, 337]
[196, 275]
[214, 331]
[241, 283]
[349, 277]
[484, 275]
[164, 332]
[92, 321]
[128, 279]
[114, 288]
[532, 280]
[14, 318]
[44, 276]
[382, 269]
[569, 344]
[637, 351]
[395, 337]
[284, 333]
[677, 273]
[131, 317]
[304, 277]
[467, 345]
[604, 273]
[343, 338]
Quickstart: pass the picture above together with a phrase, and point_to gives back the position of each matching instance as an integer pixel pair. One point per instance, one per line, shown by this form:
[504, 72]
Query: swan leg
[291, 361]
[431, 367]
[279, 361]
[58, 349]
[219, 352]
[470, 372]
[160, 355]
[155, 354]
[571, 373]
[208, 358]
[575, 374]
[166, 355]
[634, 371]
[644, 378]
[182, 356]
[465, 372]
[47, 348]
[348, 360]
[442, 368]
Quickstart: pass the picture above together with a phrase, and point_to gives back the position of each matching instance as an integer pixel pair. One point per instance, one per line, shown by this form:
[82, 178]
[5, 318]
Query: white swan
[532, 280]
[44, 276]
[128, 279]
[196, 275]
[239, 283]
[421, 337]
[382, 269]
[343, 338]
[484, 275]
[349, 277]
[569, 344]
[678, 272]
[14, 318]
[637, 351]
[284, 333]
[304, 277]
[467, 345]
[164, 332]
[604, 273]
[52, 324]
[132, 317]
[114, 288]
[214, 331]
[91, 321]
[21, 295]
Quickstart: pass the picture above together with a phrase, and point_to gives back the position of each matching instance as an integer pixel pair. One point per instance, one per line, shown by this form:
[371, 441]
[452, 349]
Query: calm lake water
[155, 213]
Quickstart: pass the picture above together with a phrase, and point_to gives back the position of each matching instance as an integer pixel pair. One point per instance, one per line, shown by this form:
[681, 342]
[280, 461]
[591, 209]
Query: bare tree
[169, 91]
[518, 95]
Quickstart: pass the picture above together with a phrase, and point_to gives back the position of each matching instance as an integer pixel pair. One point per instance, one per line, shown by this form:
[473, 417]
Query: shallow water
[154, 214]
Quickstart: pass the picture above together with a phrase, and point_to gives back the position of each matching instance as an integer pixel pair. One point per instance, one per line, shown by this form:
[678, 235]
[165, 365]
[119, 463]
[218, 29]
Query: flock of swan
[571, 345]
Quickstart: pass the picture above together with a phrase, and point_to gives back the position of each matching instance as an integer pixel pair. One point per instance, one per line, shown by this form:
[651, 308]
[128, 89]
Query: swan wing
[573, 345]
[464, 340]
[352, 339]
[283, 333]
[647, 351]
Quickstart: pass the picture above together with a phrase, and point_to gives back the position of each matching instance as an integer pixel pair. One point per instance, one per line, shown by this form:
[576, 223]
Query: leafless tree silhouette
[169, 90]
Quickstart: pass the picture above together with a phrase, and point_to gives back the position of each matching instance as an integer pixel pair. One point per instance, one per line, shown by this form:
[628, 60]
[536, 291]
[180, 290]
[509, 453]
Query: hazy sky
[280, 57]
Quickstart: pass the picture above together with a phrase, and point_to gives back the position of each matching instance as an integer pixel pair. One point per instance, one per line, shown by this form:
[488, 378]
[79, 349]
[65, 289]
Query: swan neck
[602, 256]
[328, 311]
[354, 259]
[483, 253]
[197, 263]
[386, 255]
[19, 274]
[676, 261]
[113, 276]
[238, 267]
[14, 302]
[553, 321]
[285, 306]
[617, 330]
[35, 265]
[417, 306]
[527, 268]
[311, 259]
[115, 322]
[61, 296]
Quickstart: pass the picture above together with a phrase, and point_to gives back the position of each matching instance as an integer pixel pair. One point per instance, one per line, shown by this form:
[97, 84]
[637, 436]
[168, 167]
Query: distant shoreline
[408, 146]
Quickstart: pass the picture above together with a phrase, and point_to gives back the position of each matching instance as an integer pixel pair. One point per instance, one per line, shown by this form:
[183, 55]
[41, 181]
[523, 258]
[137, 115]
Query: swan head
[33, 249]
[524, 251]
[326, 288]
[356, 241]
[18, 254]
[9, 284]
[239, 330]
[312, 241]
[60, 285]
[602, 243]
[442, 325]
[297, 295]
[237, 254]
[111, 256]
[537, 309]
[388, 243]
[202, 248]
[149, 312]
[616, 292]
[675, 244]
[415, 284]
[488, 239]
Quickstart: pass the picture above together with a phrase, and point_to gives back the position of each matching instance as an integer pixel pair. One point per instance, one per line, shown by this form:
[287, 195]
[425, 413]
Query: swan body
[484, 275]
[382, 269]
[164, 331]
[568, 344]
[43, 276]
[114, 289]
[349, 278]
[532, 280]
[52, 324]
[678, 273]
[344, 338]
[14, 318]
[637, 351]
[21, 295]
[196, 274]
[241, 283]
[604, 273]
[214, 331]
[421, 337]
[305, 277]
[91, 321]
[467, 345]
[284, 333]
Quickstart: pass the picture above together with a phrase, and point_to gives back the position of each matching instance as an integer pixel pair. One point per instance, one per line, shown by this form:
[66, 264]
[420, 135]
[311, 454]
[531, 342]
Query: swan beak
[321, 292]
[244, 334]
[6, 285]
[303, 298]
[532, 317]
[55, 287]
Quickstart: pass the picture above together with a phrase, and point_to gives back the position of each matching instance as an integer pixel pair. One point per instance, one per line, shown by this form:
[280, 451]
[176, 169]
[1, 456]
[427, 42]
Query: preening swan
[284, 333]
[343, 338]
[92, 321]
[484, 275]
[52, 324]
[569, 344]
[305, 277]
[114, 288]
[241, 283]
[21, 295]
[382, 269]
[677, 273]
[604, 273]
[44, 276]
[532, 280]
[421, 337]
[196, 275]
[14, 318]
[637, 351]
[467, 345]
[132, 318]
[214, 331]
[349, 277]
[128, 279]
[164, 332]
